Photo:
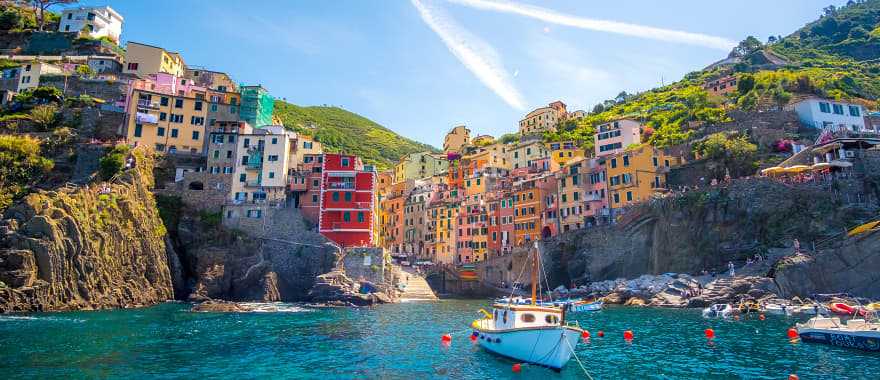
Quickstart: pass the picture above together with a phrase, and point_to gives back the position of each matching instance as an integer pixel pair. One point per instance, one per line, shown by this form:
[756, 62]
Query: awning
[821, 166]
[841, 164]
[772, 170]
[827, 148]
[797, 169]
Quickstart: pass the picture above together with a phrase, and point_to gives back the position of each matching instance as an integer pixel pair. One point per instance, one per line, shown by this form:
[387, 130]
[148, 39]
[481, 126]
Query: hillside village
[77, 106]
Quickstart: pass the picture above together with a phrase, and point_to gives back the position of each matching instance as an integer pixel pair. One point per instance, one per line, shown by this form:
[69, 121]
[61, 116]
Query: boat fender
[710, 333]
[516, 368]
[792, 334]
[628, 335]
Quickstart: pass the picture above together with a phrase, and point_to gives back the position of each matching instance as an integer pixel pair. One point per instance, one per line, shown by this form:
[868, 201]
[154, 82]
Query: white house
[830, 115]
[30, 73]
[99, 21]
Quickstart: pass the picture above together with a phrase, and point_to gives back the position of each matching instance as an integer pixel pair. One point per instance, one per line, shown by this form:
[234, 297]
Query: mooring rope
[578, 359]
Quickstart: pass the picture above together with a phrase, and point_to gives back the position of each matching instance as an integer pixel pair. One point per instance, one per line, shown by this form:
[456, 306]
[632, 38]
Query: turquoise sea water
[399, 341]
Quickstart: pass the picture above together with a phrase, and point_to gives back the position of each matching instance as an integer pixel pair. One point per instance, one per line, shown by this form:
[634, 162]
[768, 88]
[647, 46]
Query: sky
[420, 67]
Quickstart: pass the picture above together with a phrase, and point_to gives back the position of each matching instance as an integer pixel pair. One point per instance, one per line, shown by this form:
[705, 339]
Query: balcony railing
[148, 104]
[341, 185]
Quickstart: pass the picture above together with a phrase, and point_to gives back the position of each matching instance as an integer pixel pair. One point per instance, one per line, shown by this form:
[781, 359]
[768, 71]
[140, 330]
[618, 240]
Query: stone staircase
[416, 286]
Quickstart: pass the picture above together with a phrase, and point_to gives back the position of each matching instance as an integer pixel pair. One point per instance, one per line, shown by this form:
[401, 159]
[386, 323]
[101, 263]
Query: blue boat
[854, 333]
[582, 306]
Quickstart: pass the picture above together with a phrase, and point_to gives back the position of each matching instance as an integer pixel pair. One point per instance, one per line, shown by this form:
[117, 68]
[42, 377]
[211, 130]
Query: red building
[347, 201]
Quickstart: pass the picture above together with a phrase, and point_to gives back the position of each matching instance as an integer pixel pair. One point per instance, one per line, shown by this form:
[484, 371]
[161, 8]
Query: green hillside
[836, 56]
[343, 131]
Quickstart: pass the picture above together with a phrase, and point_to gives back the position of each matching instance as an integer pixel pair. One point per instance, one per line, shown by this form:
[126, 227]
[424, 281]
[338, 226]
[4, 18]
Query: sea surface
[400, 341]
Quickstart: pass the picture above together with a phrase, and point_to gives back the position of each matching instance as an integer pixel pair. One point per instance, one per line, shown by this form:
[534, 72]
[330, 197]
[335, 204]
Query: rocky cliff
[277, 262]
[702, 230]
[91, 247]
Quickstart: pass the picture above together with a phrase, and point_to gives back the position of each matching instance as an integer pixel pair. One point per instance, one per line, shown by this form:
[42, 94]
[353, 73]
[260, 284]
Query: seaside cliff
[91, 247]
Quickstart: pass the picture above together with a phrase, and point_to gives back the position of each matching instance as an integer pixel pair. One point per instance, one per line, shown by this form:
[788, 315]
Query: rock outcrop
[92, 247]
[851, 267]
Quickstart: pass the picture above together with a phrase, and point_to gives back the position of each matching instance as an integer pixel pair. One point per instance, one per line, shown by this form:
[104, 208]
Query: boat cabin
[506, 317]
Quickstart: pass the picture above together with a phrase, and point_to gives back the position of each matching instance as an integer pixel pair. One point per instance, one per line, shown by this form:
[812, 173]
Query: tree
[114, 161]
[745, 84]
[21, 165]
[829, 10]
[42, 6]
[746, 47]
[598, 108]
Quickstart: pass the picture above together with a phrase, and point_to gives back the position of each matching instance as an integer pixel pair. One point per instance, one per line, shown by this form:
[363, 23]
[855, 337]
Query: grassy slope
[343, 131]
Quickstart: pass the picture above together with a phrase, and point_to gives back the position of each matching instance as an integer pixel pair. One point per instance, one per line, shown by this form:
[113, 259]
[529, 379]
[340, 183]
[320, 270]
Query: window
[315, 183]
[348, 196]
[228, 154]
[273, 157]
[838, 109]
[625, 161]
[360, 216]
[162, 116]
[138, 129]
[527, 318]
[213, 108]
[346, 216]
[163, 101]
[197, 106]
[854, 111]
[550, 318]
[307, 145]
[178, 103]
[629, 196]
[176, 118]
[69, 16]
[255, 214]
[271, 175]
[654, 160]
[576, 195]
[613, 163]
[227, 170]
[274, 140]
[173, 133]
[247, 143]
[160, 131]
[345, 162]
[195, 135]
[314, 198]
[616, 198]
[197, 120]
[132, 66]
[335, 196]
[67, 27]
[242, 177]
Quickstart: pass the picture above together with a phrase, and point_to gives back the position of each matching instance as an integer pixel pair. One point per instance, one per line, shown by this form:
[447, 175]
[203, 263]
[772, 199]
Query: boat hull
[862, 340]
[593, 306]
[544, 346]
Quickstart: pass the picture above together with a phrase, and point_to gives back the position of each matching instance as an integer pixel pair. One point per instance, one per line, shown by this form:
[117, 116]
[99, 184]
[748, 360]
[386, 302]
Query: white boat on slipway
[531, 333]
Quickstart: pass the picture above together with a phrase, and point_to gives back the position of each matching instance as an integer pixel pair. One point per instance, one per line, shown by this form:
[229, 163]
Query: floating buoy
[736, 317]
[792, 334]
[761, 317]
[473, 338]
[793, 377]
[628, 335]
[601, 334]
[446, 338]
[517, 368]
[709, 333]
[585, 334]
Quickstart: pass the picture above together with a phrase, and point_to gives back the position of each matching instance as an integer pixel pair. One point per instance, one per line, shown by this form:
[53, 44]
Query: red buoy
[792, 334]
[628, 335]
[473, 338]
[793, 377]
[585, 334]
[601, 334]
[517, 368]
[446, 338]
[761, 317]
[709, 333]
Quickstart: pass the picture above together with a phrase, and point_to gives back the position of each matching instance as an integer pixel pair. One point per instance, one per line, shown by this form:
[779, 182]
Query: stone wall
[365, 264]
[200, 190]
[106, 89]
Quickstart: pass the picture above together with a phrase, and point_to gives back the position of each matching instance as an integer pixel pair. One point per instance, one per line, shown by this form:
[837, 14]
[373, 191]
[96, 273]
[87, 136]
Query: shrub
[45, 116]
[21, 165]
[114, 161]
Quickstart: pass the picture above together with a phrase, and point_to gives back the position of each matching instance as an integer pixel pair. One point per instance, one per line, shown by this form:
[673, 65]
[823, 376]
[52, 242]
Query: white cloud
[475, 54]
[554, 17]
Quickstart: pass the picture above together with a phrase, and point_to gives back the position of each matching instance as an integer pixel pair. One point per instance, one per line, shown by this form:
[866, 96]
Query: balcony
[341, 185]
[253, 165]
[254, 183]
[143, 103]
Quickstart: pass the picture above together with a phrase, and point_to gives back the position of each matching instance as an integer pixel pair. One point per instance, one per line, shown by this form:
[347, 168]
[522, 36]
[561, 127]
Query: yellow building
[166, 122]
[482, 140]
[420, 165]
[635, 175]
[543, 119]
[458, 137]
[564, 152]
[142, 60]
[527, 153]
[443, 217]
[570, 182]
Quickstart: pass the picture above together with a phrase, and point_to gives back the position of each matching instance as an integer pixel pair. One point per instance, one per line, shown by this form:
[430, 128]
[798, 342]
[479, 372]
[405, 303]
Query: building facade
[347, 201]
[457, 137]
[830, 115]
[95, 21]
[142, 60]
[543, 119]
[612, 138]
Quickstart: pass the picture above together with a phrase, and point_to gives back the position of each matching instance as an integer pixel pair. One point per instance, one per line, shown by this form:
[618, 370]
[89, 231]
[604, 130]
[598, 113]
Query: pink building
[614, 137]
[596, 192]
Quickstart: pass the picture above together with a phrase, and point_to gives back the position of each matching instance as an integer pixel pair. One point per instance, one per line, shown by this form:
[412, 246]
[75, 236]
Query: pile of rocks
[334, 288]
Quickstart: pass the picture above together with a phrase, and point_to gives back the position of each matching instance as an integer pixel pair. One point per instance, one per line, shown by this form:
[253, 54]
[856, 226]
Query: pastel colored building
[543, 119]
[96, 22]
[168, 114]
[636, 175]
[570, 182]
[721, 86]
[562, 152]
[263, 163]
[596, 209]
[612, 138]
[347, 201]
[456, 138]
[142, 60]
[30, 74]
[420, 165]
[257, 106]
[527, 154]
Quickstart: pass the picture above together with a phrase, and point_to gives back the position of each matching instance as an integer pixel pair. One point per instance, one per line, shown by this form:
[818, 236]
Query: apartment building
[543, 119]
[222, 148]
[500, 202]
[257, 106]
[721, 86]
[830, 115]
[415, 221]
[528, 154]
[347, 201]
[168, 114]
[96, 22]
[570, 182]
[562, 152]
[142, 60]
[637, 174]
[30, 74]
[263, 161]
[612, 138]
[420, 165]
[456, 138]
[596, 210]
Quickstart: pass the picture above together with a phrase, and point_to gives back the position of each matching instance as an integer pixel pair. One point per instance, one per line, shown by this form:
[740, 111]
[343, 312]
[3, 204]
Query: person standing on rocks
[730, 266]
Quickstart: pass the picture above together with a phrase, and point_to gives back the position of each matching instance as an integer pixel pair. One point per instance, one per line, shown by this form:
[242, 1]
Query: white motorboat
[854, 333]
[719, 310]
[779, 309]
[532, 333]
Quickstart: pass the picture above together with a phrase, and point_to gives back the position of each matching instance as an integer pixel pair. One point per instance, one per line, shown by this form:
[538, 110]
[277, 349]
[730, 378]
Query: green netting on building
[256, 106]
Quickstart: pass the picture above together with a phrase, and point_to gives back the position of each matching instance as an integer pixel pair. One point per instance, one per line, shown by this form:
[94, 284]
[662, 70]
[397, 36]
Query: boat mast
[535, 276]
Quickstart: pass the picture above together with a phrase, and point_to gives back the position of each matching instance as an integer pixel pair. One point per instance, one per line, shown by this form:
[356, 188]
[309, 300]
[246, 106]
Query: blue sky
[388, 60]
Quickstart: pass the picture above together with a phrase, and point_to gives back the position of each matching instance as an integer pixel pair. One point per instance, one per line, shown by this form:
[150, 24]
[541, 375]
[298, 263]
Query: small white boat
[586, 306]
[719, 310]
[533, 333]
[854, 333]
[816, 309]
[779, 309]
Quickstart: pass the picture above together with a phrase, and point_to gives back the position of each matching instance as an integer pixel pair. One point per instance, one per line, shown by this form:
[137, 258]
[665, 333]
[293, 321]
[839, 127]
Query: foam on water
[273, 307]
